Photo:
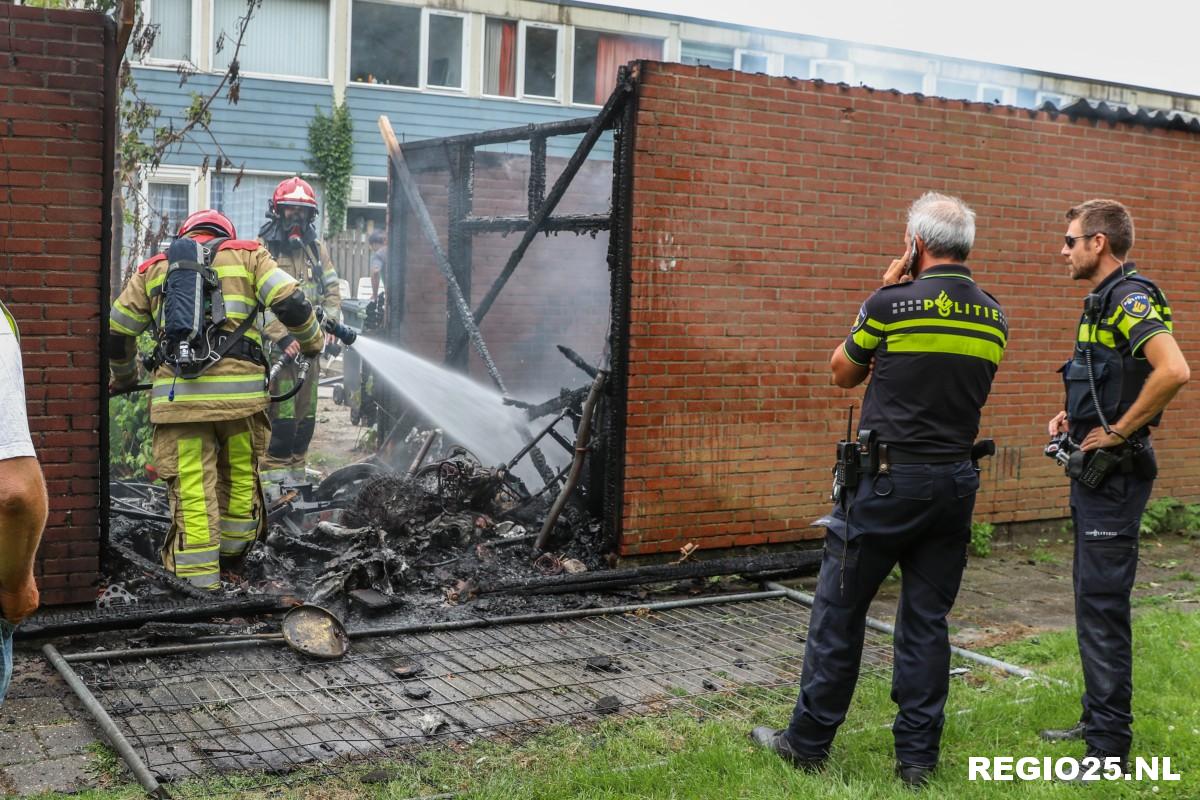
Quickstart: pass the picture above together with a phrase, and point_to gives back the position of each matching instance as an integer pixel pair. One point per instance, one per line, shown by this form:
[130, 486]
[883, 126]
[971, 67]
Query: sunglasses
[1071, 240]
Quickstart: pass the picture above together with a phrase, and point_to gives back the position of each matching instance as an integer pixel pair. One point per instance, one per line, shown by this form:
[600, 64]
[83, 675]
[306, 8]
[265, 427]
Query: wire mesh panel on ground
[219, 722]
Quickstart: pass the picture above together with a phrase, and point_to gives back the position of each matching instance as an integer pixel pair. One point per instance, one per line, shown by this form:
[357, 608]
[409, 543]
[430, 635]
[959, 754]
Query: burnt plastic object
[316, 632]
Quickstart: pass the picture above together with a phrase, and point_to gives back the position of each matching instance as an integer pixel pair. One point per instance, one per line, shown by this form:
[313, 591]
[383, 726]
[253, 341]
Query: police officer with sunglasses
[1125, 369]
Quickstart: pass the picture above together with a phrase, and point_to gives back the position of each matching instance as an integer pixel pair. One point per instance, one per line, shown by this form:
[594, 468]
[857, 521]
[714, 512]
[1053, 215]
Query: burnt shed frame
[457, 155]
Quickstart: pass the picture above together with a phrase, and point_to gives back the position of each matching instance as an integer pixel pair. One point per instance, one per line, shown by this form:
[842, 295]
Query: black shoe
[1064, 734]
[914, 776]
[1104, 773]
[1102, 755]
[775, 741]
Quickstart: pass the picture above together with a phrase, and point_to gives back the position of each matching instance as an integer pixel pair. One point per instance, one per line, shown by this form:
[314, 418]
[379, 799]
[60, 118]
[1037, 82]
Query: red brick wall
[52, 66]
[765, 210]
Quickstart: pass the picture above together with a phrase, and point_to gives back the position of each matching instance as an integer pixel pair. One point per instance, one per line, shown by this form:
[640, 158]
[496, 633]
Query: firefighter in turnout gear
[290, 234]
[208, 397]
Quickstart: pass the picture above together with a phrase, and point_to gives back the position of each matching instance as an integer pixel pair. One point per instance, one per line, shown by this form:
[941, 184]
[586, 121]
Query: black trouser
[920, 518]
[1106, 551]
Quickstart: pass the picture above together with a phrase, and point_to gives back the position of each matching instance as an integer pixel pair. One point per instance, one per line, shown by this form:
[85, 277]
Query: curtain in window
[500, 53]
[614, 51]
[174, 38]
[286, 37]
[168, 200]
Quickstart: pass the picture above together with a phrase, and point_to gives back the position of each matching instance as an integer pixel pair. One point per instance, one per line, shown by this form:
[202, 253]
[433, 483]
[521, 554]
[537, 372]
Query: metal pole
[883, 627]
[140, 771]
[432, 627]
[171, 649]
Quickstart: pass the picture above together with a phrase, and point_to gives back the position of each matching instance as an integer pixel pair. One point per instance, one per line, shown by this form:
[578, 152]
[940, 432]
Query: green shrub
[129, 436]
[129, 430]
[981, 538]
[1166, 515]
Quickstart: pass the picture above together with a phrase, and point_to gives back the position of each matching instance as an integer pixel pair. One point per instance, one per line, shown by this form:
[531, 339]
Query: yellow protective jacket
[233, 387]
[313, 269]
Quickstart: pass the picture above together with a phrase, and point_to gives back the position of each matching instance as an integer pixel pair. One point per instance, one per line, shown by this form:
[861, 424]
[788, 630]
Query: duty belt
[891, 454]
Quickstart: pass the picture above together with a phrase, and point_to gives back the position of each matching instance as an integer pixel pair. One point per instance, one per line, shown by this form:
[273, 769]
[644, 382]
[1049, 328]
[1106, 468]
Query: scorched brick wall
[52, 100]
[766, 209]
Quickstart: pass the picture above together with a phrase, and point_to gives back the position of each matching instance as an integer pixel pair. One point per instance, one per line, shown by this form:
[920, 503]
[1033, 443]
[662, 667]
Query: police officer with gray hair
[931, 341]
[1125, 369]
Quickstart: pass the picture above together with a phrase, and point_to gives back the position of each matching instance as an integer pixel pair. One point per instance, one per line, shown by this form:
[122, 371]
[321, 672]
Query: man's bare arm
[846, 373]
[23, 510]
[1170, 373]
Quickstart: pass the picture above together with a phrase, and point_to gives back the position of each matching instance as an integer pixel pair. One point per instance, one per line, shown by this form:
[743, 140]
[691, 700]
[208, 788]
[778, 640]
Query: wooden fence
[351, 256]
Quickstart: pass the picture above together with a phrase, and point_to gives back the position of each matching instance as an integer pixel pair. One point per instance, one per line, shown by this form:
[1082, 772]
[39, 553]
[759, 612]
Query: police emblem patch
[1136, 305]
[860, 320]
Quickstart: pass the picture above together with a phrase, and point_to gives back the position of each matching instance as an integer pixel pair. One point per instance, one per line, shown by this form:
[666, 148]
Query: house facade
[445, 67]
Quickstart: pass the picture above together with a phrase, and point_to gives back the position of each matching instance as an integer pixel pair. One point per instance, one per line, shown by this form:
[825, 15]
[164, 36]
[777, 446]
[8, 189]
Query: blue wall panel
[417, 115]
[267, 129]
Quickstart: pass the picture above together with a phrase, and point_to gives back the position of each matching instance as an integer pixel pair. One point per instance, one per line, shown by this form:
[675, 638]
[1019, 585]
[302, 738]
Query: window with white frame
[385, 44]
[285, 37]
[831, 71]
[957, 90]
[172, 21]
[707, 55]
[597, 57]
[168, 196]
[991, 93]
[539, 59]
[245, 201]
[795, 66]
[902, 80]
[445, 55]
[396, 45]
[500, 57]
[1059, 100]
[758, 61]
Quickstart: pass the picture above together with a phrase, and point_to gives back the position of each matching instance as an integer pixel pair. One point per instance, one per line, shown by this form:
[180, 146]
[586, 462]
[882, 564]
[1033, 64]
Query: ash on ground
[452, 528]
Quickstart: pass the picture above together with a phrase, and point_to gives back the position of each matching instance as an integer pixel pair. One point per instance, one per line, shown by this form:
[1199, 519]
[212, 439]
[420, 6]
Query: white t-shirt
[14, 425]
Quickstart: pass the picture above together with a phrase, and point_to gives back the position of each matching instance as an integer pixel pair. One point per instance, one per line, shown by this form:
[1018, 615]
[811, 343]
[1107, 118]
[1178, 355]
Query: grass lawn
[708, 755]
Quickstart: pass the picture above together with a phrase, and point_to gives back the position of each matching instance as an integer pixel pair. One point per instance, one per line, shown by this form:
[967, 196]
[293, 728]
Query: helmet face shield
[293, 210]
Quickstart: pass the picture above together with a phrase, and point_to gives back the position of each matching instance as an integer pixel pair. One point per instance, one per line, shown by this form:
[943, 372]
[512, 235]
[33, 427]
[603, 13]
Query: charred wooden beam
[792, 562]
[136, 616]
[577, 360]
[567, 223]
[566, 127]
[581, 446]
[537, 173]
[458, 249]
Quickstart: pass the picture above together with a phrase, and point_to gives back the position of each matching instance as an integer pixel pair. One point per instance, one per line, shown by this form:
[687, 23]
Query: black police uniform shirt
[936, 343]
[1132, 315]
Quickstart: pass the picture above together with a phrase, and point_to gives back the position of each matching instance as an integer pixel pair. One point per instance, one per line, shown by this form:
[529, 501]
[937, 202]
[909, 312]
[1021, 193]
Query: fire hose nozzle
[331, 326]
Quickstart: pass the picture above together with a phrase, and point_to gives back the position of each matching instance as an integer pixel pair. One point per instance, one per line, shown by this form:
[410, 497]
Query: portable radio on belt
[855, 458]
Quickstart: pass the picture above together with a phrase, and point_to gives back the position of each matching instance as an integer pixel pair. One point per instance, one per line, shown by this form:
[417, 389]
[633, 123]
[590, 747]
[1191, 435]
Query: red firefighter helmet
[208, 221]
[294, 192]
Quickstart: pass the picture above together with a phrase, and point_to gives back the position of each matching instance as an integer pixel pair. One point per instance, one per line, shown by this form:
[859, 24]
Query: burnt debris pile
[371, 536]
[454, 526]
